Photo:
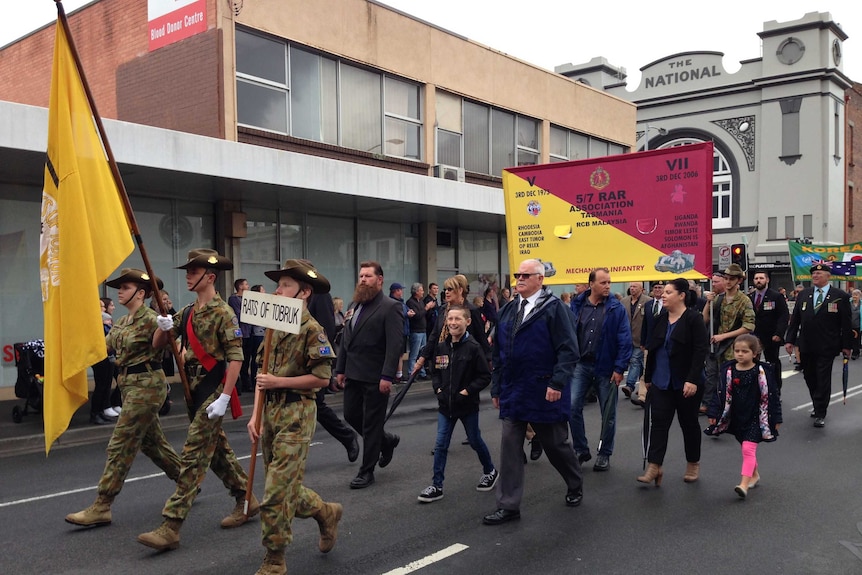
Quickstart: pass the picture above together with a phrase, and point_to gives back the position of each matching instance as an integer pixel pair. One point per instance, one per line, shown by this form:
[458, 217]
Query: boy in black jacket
[459, 372]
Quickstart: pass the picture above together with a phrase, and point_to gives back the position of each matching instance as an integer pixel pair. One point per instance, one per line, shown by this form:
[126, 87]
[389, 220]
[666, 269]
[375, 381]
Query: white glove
[166, 322]
[217, 408]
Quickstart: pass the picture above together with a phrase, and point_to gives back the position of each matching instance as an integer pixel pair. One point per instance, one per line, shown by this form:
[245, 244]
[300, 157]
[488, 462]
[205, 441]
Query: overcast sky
[552, 32]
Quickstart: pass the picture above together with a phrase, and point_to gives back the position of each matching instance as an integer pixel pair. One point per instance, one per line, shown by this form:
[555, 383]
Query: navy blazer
[825, 332]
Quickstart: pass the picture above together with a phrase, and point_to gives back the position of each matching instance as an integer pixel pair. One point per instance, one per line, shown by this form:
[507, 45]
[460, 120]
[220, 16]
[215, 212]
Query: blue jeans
[417, 342]
[636, 367]
[585, 378]
[445, 427]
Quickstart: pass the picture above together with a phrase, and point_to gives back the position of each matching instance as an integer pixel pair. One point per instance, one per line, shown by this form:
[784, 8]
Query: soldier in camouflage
[298, 366]
[216, 327]
[143, 388]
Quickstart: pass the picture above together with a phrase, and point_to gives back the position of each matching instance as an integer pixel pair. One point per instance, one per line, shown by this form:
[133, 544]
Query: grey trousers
[554, 438]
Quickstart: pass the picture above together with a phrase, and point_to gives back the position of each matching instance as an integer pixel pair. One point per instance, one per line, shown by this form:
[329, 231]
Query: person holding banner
[142, 383]
[299, 365]
[213, 343]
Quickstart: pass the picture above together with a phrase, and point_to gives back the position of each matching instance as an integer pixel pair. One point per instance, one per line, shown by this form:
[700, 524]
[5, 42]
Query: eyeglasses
[525, 276]
[448, 289]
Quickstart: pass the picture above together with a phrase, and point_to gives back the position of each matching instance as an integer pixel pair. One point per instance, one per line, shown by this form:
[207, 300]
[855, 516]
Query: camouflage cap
[734, 271]
[135, 276]
[301, 271]
[205, 258]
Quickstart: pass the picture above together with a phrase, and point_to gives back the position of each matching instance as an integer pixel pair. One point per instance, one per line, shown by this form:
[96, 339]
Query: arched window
[722, 184]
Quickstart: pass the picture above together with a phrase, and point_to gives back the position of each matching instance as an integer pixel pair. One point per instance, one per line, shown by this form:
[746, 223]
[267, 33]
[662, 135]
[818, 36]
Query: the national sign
[644, 216]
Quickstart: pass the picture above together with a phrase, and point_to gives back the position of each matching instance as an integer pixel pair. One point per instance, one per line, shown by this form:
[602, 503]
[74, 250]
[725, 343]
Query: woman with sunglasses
[455, 291]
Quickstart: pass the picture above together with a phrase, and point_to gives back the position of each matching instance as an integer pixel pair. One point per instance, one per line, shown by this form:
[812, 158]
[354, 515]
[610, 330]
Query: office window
[559, 140]
[449, 130]
[528, 141]
[808, 226]
[502, 141]
[477, 138]
[790, 129]
[789, 227]
[293, 90]
[772, 228]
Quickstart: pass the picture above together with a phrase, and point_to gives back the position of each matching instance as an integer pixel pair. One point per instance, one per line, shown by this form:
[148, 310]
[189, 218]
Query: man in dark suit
[820, 327]
[367, 361]
[770, 320]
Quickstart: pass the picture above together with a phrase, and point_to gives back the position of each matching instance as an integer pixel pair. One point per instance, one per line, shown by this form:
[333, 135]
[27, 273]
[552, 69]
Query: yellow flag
[85, 236]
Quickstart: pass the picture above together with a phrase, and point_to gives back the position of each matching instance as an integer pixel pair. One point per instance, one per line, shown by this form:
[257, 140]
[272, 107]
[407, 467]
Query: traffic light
[738, 256]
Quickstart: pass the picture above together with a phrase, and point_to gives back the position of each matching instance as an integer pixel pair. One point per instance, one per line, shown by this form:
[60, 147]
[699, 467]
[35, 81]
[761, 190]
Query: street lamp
[661, 132]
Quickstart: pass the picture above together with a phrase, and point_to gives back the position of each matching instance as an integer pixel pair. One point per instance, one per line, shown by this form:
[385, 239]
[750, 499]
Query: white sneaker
[110, 412]
[117, 409]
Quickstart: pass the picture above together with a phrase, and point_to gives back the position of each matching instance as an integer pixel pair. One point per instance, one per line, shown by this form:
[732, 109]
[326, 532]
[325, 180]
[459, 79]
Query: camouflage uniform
[217, 329]
[138, 427]
[287, 429]
[736, 313]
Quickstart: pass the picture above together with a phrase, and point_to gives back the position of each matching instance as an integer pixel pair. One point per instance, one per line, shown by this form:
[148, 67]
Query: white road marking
[425, 561]
[836, 397]
[81, 490]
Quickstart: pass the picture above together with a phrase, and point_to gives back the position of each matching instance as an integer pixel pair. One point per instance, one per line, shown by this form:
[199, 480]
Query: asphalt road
[805, 517]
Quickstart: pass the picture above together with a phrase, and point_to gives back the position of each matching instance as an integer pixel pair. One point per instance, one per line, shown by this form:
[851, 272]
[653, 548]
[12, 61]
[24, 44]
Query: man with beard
[367, 362]
[770, 320]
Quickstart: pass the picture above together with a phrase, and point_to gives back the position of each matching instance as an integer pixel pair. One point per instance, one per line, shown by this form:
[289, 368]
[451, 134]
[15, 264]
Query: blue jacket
[615, 341]
[542, 354]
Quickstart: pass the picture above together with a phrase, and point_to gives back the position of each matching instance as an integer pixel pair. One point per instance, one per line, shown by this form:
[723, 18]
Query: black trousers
[248, 355]
[817, 371]
[555, 441]
[770, 354]
[330, 421]
[103, 377]
[663, 404]
[365, 411]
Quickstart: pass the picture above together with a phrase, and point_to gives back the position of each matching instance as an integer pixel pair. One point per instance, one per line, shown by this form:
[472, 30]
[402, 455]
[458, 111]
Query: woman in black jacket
[677, 348]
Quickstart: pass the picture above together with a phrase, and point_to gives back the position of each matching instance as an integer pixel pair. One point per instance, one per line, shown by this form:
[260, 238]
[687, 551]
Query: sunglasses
[524, 276]
[448, 289]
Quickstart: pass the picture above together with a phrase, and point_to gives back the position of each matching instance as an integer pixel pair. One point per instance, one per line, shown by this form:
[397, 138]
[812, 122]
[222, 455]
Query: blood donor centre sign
[173, 20]
[272, 311]
[645, 216]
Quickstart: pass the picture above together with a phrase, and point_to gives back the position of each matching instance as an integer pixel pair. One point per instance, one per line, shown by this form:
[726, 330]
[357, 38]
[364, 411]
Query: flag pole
[124, 198]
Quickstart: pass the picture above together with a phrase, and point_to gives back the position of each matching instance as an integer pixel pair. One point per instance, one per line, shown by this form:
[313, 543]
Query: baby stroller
[30, 361]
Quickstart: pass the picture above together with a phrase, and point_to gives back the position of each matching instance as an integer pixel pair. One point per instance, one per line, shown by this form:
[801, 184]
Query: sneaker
[430, 494]
[118, 409]
[488, 481]
[110, 412]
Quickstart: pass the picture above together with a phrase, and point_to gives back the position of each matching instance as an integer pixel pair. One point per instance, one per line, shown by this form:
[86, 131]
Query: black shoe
[820, 422]
[362, 481]
[584, 457]
[797, 367]
[535, 449]
[811, 413]
[603, 462]
[465, 442]
[99, 419]
[592, 398]
[573, 499]
[353, 449]
[388, 450]
[501, 516]
[637, 401]
[627, 391]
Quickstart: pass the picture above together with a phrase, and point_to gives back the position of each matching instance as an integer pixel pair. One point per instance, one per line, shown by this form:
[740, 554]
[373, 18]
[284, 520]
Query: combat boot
[237, 517]
[327, 518]
[99, 513]
[273, 564]
[165, 536]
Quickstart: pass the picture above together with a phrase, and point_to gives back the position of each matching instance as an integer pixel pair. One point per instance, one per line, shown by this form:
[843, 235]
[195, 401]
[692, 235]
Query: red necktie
[759, 300]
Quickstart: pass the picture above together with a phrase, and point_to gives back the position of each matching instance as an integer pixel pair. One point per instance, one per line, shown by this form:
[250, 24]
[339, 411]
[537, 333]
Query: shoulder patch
[324, 350]
[237, 332]
[321, 338]
[234, 321]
